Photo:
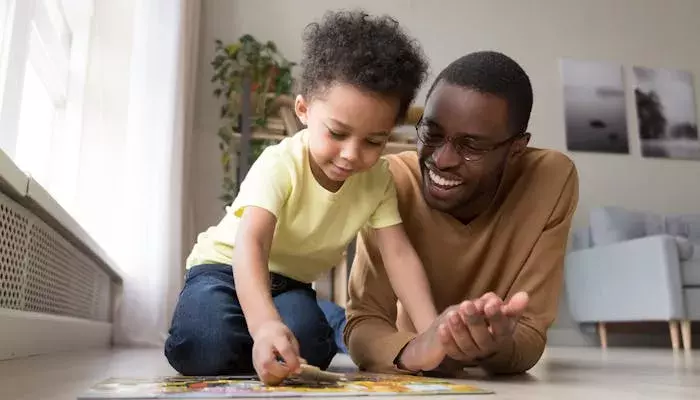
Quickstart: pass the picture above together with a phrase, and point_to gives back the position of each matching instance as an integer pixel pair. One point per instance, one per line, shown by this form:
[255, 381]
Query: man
[489, 218]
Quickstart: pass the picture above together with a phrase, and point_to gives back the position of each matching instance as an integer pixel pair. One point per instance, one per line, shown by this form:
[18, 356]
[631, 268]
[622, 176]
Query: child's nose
[350, 153]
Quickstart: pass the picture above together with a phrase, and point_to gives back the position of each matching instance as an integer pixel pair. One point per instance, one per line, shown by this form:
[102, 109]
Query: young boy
[298, 208]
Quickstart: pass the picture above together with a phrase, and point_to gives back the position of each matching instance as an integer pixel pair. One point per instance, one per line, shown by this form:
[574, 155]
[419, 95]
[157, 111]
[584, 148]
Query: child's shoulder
[288, 151]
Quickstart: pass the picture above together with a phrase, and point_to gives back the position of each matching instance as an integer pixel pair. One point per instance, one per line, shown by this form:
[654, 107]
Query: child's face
[348, 131]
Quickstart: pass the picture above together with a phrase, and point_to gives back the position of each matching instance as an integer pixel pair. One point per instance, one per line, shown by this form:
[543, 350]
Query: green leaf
[233, 48]
[225, 134]
[217, 92]
[226, 198]
[225, 158]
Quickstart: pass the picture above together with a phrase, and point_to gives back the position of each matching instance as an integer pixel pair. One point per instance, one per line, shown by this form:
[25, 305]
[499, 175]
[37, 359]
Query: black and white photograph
[666, 112]
[594, 106]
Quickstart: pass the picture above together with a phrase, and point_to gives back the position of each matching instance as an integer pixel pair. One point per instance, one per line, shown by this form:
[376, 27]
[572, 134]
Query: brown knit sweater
[517, 245]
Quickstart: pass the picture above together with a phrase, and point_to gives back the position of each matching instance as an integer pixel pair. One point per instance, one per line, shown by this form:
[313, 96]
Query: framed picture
[594, 106]
[666, 113]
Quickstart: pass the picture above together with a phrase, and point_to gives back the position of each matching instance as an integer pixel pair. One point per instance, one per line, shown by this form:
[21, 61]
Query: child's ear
[301, 108]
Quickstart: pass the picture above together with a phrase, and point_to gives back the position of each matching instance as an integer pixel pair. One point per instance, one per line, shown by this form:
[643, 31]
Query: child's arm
[250, 259]
[407, 276]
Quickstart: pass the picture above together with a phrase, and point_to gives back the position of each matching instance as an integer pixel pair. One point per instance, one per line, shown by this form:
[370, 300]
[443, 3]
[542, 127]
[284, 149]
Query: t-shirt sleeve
[267, 184]
[387, 212]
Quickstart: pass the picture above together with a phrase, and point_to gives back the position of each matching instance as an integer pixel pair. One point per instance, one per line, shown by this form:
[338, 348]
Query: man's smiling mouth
[441, 181]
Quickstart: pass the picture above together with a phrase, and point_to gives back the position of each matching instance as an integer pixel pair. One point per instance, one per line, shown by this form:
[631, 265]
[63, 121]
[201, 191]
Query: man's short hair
[495, 73]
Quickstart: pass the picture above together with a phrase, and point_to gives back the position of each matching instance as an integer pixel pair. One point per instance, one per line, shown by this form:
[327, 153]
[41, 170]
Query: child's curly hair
[370, 53]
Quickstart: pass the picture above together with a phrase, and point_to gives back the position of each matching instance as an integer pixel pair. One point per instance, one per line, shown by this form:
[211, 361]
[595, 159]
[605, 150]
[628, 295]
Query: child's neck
[322, 179]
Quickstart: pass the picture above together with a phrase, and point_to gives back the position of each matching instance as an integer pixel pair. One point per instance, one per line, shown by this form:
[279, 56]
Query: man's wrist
[400, 360]
[501, 355]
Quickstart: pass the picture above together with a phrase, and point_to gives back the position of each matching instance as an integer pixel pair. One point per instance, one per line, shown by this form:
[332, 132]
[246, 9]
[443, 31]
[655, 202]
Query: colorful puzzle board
[223, 387]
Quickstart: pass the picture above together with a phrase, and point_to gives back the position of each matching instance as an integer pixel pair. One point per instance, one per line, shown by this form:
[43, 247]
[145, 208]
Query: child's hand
[272, 340]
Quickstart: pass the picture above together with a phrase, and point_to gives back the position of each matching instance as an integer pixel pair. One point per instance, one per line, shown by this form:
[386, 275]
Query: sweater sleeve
[541, 277]
[371, 334]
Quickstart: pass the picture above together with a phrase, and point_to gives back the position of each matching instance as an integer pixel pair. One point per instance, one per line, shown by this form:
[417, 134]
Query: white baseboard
[24, 334]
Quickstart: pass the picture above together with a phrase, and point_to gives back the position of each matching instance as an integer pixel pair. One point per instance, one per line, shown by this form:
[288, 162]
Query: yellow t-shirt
[314, 225]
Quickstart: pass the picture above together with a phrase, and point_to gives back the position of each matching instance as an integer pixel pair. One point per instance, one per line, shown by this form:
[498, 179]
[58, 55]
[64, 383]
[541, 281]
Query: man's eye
[474, 147]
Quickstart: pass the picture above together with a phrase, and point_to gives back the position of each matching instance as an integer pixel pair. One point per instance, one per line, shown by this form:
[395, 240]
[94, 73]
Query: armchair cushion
[581, 239]
[690, 269]
[685, 225]
[686, 249]
[614, 224]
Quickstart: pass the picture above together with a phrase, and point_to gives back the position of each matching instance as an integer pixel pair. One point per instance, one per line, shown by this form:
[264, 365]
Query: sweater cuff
[386, 354]
[500, 361]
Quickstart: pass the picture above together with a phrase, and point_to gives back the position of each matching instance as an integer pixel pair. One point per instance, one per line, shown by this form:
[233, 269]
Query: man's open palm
[477, 329]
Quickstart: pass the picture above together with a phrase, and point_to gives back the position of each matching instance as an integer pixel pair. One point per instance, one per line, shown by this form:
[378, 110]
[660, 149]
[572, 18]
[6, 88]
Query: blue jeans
[209, 335]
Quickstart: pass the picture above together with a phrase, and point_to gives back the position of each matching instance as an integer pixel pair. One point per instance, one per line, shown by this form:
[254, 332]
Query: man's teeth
[442, 181]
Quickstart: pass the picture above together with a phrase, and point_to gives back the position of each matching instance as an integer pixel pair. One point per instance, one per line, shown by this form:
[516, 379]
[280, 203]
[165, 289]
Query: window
[4, 11]
[42, 72]
[44, 89]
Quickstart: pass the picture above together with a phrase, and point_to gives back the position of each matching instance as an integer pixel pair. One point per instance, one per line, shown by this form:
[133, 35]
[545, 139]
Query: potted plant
[268, 75]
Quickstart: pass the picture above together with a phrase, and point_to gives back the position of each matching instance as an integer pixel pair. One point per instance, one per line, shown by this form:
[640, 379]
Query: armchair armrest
[635, 280]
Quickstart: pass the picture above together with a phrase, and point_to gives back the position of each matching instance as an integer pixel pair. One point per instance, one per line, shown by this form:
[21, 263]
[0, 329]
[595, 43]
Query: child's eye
[374, 142]
[336, 135]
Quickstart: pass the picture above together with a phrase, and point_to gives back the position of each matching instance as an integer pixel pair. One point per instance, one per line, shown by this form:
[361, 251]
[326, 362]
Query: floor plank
[563, 373]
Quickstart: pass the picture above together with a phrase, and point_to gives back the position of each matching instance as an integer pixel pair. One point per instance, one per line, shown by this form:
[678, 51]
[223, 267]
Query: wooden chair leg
[603, 334]
[686, 334]
[675, 337]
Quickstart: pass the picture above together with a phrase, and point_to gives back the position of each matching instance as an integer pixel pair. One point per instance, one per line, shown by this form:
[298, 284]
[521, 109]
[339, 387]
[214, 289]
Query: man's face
[468, 122]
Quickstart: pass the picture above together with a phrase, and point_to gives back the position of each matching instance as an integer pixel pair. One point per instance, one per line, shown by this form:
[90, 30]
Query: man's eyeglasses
[466, 147]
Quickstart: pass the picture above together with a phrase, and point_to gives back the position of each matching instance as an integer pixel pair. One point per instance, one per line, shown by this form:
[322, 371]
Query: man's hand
[271, 340]
[478, 329]
[466, 332]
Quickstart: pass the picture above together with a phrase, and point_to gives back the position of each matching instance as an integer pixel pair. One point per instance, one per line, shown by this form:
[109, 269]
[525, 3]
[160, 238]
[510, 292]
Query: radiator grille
[41, 271]
[13, 239]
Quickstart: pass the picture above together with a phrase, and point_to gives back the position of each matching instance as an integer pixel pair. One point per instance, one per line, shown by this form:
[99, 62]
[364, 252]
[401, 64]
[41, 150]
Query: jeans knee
[201, 354]
[316, 340]
[322, 355]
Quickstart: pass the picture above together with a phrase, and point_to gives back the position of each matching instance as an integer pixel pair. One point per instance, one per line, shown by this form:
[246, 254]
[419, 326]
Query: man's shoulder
[546, 165]
[546, 159]
[544, 176]
[403, 166]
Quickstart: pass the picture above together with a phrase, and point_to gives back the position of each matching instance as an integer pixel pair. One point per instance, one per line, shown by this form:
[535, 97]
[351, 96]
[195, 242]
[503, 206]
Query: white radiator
[53, 296]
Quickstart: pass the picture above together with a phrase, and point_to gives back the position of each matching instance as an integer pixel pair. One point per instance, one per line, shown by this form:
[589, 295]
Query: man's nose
[446, 156]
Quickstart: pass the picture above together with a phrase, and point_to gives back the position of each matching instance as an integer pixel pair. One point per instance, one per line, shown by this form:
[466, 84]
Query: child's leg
[209, 335]
[335, 315]
[300, 312]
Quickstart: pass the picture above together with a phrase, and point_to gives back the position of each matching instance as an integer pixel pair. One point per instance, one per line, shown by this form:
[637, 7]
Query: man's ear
[519, 145]
[301, 108]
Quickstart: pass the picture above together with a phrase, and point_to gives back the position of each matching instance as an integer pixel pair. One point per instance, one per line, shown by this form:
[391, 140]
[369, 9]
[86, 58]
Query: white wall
[536, 33]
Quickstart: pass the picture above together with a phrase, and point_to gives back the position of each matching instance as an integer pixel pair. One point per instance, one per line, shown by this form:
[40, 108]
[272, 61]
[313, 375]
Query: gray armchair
[633, 266]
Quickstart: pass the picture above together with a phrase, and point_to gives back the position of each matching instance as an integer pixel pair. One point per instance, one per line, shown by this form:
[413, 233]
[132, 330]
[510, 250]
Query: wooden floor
[563, 374]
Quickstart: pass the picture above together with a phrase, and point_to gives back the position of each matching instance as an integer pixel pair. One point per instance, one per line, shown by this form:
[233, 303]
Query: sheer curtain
[134, 158]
